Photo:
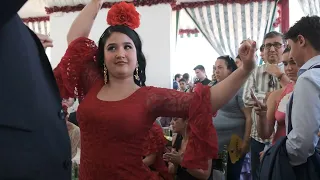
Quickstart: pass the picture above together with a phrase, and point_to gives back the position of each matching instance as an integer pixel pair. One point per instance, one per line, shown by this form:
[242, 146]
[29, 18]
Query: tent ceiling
[35, 8]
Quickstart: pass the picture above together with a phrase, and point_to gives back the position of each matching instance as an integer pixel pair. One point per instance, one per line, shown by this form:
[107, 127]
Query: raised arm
[82, 25]
[246, 97]
[226, 89]
[77, 70]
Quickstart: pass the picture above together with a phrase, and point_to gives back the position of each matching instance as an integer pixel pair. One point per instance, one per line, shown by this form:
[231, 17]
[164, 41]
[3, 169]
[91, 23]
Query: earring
[105, 73]
[136, 76]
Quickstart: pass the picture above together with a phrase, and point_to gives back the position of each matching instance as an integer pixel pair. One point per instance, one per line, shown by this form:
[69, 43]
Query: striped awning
[186, 26]
[226, 25]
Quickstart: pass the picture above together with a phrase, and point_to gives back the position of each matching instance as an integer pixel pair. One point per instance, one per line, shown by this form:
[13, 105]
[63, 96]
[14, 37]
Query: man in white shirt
[263, 80]
[304, 41]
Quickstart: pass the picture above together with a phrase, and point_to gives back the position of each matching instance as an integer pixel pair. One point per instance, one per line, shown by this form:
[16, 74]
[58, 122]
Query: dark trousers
[256, 148]
[234, 170]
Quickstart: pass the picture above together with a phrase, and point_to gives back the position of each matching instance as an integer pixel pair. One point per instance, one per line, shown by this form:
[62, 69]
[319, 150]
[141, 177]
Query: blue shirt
[303, 139]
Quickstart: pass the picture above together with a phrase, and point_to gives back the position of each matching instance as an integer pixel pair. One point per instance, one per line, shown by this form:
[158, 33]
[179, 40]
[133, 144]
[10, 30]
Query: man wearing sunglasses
[264, 79]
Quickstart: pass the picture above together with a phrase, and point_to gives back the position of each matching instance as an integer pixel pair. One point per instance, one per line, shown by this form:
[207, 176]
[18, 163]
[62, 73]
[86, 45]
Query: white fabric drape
[226, 25]
[42, 27]
[310, 7]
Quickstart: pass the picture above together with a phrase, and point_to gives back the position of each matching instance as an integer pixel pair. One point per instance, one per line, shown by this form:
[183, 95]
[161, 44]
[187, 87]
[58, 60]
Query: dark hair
[261, 48]
[186, 76]
[286, 50]
[231, 64]
[273, 34]
[137, 43]
[182, 80]
[309, 28]
[177, 76]
[200, 67]
[238, 57]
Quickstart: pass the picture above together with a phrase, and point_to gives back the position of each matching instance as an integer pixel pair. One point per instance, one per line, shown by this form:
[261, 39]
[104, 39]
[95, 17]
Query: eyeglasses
[276, 45]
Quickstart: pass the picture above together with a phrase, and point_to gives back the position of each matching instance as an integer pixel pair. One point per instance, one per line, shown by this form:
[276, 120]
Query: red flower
[123, 14]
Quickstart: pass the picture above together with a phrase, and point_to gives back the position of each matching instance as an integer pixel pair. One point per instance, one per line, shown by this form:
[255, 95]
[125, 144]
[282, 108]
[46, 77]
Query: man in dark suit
[34, 142]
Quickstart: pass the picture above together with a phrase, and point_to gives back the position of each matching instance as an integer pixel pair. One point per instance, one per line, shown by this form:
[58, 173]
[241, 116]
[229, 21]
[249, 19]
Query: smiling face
[120, 56]
[273, 49]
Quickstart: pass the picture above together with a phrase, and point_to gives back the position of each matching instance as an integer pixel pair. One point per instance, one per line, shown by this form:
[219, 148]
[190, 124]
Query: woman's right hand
[260, 109]
[247, 54]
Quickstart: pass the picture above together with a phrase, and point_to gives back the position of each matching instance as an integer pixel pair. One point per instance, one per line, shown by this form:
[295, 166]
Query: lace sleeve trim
[155, 141]
[68, 72]
[203, 143]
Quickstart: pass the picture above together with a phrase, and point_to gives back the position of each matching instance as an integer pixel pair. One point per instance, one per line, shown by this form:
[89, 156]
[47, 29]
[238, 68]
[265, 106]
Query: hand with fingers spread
[247, 54]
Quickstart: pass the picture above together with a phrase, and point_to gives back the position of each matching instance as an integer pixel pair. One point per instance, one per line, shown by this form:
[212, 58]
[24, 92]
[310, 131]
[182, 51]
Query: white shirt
[305, 117]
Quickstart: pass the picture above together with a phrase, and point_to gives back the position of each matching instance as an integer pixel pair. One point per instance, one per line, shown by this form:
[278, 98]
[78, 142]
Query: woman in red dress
[118, 110]
[154, 148]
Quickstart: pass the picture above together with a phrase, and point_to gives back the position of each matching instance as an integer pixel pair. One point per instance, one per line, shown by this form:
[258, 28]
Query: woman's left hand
[173, 157]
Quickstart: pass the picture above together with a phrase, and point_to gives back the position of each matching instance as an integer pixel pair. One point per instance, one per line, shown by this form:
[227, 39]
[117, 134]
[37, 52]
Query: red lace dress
[156, 143]
[113, 132]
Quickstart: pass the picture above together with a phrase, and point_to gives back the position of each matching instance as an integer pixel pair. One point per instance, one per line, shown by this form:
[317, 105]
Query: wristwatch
[280, 77]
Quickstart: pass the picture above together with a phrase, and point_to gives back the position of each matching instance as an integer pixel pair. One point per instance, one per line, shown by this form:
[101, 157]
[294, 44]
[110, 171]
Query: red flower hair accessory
[123, 14]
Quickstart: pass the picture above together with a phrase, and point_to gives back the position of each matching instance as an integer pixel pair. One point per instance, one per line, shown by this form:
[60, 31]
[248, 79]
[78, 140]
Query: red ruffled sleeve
[155, 141]
[74, 68]
[203, 143]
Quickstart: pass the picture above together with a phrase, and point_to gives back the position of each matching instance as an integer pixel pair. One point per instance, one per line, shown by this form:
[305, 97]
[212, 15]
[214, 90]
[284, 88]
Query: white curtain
[226, 25]
[41, 27]
[310, 7]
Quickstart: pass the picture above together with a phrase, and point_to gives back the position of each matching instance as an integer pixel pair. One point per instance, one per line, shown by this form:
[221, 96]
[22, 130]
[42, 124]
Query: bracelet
[280, 77]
